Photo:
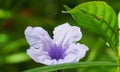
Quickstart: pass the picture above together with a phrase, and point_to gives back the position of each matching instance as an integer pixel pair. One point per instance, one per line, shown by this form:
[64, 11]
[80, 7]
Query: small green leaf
[11, 47]
[17, 58]
[5, 14]
[72, 65]
[97, 17]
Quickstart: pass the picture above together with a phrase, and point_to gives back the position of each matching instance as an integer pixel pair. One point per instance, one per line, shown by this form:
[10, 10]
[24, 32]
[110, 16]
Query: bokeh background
[16, 15]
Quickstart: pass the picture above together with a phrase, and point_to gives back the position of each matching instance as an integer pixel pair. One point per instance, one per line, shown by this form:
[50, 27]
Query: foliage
[97, 17]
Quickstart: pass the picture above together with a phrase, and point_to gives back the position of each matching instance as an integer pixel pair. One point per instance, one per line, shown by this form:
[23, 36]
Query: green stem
[118, 60]
[117, 53]
[60, 70]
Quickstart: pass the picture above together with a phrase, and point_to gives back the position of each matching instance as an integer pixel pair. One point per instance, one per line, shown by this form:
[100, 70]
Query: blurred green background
[16, 15]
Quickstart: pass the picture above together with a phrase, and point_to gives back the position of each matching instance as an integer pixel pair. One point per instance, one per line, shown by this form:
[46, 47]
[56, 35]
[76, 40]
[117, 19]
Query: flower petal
[70, 58]
[41, 56]
[36, 53]
[60, 61]
[65, 34]
[77, 50]
[49, 62]
[37, 37]
[119, 19]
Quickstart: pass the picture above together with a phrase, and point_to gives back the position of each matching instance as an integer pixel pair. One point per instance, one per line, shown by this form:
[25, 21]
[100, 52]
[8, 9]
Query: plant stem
[118, 67]
[60, 70]
[118, 60]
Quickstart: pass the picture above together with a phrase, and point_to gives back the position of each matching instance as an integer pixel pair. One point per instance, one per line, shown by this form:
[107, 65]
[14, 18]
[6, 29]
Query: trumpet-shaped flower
[61, 49]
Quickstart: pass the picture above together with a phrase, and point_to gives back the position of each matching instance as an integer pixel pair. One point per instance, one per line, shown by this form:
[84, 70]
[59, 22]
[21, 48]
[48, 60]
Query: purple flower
[61, 49]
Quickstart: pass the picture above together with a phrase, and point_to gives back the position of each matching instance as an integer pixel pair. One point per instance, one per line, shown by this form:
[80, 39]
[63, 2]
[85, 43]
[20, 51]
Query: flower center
[56, 52]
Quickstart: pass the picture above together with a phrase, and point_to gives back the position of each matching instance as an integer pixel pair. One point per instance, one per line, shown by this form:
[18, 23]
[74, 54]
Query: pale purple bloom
[61, 49]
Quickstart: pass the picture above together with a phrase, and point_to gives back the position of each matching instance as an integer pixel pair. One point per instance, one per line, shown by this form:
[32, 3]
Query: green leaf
[99, 18]
[13, 46]
[5, 14]
[16, 58]
[72, 65]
